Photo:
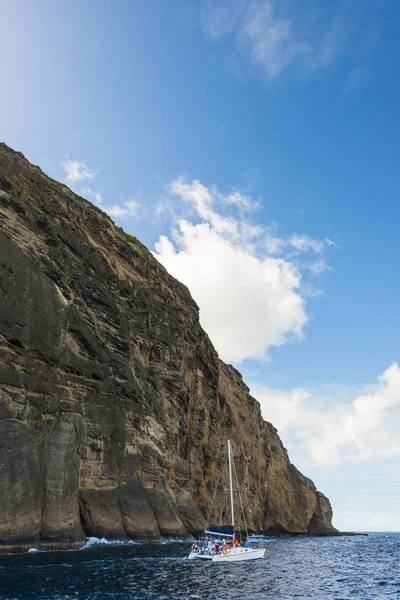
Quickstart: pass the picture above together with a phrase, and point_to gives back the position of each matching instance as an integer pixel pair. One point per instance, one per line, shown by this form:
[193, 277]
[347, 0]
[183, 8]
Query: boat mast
[231, 484]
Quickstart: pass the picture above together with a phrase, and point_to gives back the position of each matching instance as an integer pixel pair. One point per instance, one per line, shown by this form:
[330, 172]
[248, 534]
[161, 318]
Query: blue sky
[254, 147]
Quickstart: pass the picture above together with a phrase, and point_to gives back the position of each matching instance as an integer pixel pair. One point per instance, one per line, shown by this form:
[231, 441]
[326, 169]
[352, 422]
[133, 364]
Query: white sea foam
[94, 541]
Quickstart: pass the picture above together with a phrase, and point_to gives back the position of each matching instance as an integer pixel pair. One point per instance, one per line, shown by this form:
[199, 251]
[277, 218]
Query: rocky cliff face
[114, 406]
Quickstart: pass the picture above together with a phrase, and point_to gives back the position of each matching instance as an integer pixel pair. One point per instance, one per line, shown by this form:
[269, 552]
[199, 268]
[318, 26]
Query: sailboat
[221, 550]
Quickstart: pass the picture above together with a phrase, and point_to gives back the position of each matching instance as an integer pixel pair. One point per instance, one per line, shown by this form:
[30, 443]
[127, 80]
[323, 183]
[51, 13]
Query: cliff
[114, 405]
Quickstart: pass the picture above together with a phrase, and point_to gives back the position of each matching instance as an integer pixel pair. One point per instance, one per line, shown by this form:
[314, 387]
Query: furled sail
[221, 531]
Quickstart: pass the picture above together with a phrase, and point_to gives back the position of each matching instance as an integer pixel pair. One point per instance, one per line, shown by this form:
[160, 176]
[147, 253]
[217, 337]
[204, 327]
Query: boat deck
[232, 555]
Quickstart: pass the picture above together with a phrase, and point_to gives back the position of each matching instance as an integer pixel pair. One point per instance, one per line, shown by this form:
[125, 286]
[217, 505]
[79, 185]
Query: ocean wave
[94, 541]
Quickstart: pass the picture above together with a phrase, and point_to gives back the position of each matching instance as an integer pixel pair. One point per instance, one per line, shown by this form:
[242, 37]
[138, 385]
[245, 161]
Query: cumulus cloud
[329, 431]
[249, 300]
[269, 39]
[77, 171]
[203, 199]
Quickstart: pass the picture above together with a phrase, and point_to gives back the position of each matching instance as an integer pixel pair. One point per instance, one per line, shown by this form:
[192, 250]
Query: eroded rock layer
[114, 406]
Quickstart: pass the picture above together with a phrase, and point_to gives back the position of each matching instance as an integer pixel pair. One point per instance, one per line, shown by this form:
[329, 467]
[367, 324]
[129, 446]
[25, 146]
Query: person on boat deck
[235, 542]
[246, 544]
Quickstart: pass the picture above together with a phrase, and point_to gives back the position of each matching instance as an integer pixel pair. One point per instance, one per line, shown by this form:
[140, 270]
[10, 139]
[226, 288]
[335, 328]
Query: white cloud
[240, 200]
[219, 18]
[246, 304]
[278, 406]
[305, 243]
[77, 171]
[357, 78]
[331, 243]
[97, 196]
[126, 209]
[273, 244]
[329, 432]
[323, 54]
[308, 290]
[202, 199]
[160, 209]
[270, 39]
[129, 208]
[317, 267]
[249, 300]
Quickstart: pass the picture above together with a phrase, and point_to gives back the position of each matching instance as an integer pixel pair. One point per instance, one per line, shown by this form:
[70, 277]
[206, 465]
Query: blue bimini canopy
[221, 531]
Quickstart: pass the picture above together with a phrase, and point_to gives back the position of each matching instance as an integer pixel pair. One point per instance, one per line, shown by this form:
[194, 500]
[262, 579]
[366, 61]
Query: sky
[253, 146]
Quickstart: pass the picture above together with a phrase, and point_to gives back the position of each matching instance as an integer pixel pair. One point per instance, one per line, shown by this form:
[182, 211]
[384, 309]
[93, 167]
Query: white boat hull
[233, 555]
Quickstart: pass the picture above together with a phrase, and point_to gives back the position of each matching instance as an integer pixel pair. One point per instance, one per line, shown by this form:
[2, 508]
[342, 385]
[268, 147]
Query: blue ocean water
[294, 567]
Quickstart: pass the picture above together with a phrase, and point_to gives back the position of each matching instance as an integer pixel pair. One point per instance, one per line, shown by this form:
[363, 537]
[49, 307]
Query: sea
[294, 567]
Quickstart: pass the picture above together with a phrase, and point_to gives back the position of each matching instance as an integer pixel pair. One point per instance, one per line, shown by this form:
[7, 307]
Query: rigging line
[219, 471]
[240, 498]
[226, 490]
